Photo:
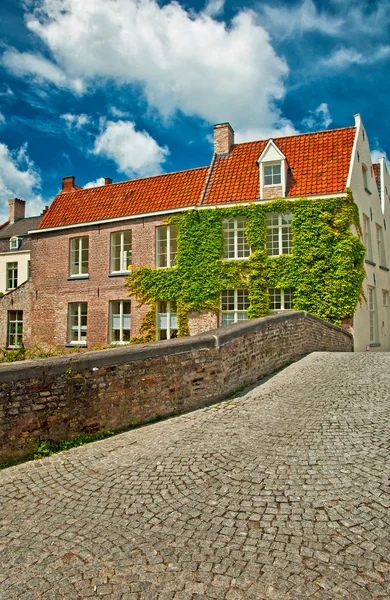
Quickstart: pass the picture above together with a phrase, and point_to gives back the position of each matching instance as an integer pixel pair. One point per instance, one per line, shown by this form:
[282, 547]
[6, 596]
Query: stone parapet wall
[58, 398]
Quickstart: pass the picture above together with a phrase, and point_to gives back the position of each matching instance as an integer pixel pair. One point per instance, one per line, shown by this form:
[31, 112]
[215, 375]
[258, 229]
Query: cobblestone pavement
[280, 494]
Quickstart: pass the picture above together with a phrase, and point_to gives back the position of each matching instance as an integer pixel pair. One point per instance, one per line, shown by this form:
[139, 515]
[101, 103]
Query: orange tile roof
[151, 194]
[375, 166]
[319, 164]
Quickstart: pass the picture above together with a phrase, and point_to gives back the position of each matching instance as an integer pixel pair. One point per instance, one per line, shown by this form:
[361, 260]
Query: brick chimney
[68, 184]
[223, 138]
[16, 209]
[107, 181]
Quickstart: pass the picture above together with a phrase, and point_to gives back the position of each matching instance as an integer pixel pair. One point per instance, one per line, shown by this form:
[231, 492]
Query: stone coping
[57, 365]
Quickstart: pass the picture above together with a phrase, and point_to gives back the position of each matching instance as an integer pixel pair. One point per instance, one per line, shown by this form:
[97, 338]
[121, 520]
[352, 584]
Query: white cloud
[134, 152]
[318, 118]
[116, 112]
[96, 183]
[377, 154]
[214, 8]
[39, 68]
[76, 121]
[2, 119]
[20, 178]
[285, 21]
[344, 57]
[186, 62]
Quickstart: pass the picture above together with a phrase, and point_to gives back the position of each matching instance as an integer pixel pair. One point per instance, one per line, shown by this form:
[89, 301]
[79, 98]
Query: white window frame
[373, 315]
[273, 164]
[125, 266]
[282, 292]
[170, 260]
[385, 298]
[239, 225]
[12, 267]
[236, 312]
[381, 246]
[78, 328]
[16, 321]
[122, 316]
[171, 316]
[14, 243]
[77, 267]
[367, 237]
[280, 226]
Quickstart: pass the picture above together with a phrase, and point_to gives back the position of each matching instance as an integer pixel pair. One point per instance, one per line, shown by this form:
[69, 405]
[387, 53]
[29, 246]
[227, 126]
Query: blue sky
[123, 89]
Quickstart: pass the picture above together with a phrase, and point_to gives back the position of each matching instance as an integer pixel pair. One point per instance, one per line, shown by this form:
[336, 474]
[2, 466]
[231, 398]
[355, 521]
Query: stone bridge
[280, 493]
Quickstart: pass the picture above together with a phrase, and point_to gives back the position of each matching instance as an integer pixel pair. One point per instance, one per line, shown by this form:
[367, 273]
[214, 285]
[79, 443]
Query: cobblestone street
[282, 493]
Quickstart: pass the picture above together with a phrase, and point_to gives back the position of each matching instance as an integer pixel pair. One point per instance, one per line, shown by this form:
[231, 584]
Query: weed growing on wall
[324, 270]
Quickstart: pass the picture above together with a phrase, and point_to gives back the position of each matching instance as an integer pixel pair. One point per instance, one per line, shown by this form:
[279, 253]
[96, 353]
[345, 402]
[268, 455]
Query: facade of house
[267, 225]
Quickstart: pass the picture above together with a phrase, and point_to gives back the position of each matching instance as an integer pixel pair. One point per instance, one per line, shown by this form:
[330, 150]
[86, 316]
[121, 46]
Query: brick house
[91, 239]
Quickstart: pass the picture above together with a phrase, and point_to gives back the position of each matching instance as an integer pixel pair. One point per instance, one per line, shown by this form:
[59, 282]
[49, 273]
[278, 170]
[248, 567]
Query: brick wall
[54, 291]
[18, 299]
[58, 398]
[272, 192]
[201, 322]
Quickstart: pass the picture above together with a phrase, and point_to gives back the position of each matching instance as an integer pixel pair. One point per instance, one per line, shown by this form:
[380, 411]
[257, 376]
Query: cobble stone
[282, 493]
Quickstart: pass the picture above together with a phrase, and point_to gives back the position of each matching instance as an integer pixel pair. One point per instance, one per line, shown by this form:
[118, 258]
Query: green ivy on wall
[324, 270]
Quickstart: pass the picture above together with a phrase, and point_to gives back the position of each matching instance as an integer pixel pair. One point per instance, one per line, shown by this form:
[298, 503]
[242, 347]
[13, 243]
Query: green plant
[325, 269]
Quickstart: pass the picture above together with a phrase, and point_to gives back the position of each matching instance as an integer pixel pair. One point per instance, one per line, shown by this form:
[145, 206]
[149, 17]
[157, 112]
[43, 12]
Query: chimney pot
[68, 184]
[107, 181]
[223, 138]
[16, 209]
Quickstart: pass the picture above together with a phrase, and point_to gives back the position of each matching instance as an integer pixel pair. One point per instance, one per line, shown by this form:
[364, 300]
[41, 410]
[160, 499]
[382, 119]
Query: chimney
[68, 184]
[16, 209]
[107, 181]
[45, 210]
[223, 138]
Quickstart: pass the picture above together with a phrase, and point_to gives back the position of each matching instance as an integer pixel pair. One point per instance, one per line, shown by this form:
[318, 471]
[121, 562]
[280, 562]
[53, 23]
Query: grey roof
[19, 227]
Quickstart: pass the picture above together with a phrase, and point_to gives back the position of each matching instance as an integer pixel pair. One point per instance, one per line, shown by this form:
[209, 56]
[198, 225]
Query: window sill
[384, 268]
[119, 273]
[116, 344]
[368, 191]
[71, 277]
[238, 258]
[76, 345]
[375, 345]
[171, 267]
[370, 262]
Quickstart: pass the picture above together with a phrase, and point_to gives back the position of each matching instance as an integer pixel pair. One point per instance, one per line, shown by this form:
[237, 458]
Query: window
[166, 320]
[280, 299]
[79, 248]
[15, 328]
[385, 297]
[77, 323]
[234, 306]
[28, 269]
[279, 233]
[367, 237]
[12, 275]
[381, 246]
[234, 240]
[166, 238]
[14, 243]
[372, 315]
[272, 174]
[120, 321]
[365, 178]
[121, 252]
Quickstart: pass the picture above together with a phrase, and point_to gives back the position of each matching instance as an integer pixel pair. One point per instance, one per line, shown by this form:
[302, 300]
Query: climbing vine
[324, 270]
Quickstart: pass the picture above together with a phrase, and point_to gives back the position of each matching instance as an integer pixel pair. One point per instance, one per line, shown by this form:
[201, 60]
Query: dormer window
[272, 174]
[14, 243]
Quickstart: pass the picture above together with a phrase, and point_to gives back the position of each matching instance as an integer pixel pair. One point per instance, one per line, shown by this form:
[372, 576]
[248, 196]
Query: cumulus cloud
[96, 183]
[135, 153]
[75, 121]
[187, 62]
[19, 178]
[2, 119]
[318, 118]
[39, 68]
[377, 154]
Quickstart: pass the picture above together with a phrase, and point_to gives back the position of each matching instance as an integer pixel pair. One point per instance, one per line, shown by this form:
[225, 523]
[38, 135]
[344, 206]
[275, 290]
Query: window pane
[162, 246]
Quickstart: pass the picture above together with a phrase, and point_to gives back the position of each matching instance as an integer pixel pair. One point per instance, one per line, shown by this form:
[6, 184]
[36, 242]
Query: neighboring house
[210, 246]
[15, 245]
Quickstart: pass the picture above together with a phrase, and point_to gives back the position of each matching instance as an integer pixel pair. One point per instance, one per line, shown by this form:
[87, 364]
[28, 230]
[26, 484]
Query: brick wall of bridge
[58, 398]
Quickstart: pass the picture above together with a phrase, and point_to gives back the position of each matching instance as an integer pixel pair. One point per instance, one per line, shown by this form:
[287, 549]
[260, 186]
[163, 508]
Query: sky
[127, 89]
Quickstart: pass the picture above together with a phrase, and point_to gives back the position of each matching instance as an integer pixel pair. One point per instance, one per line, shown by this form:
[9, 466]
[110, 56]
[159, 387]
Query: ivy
[324, 270]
